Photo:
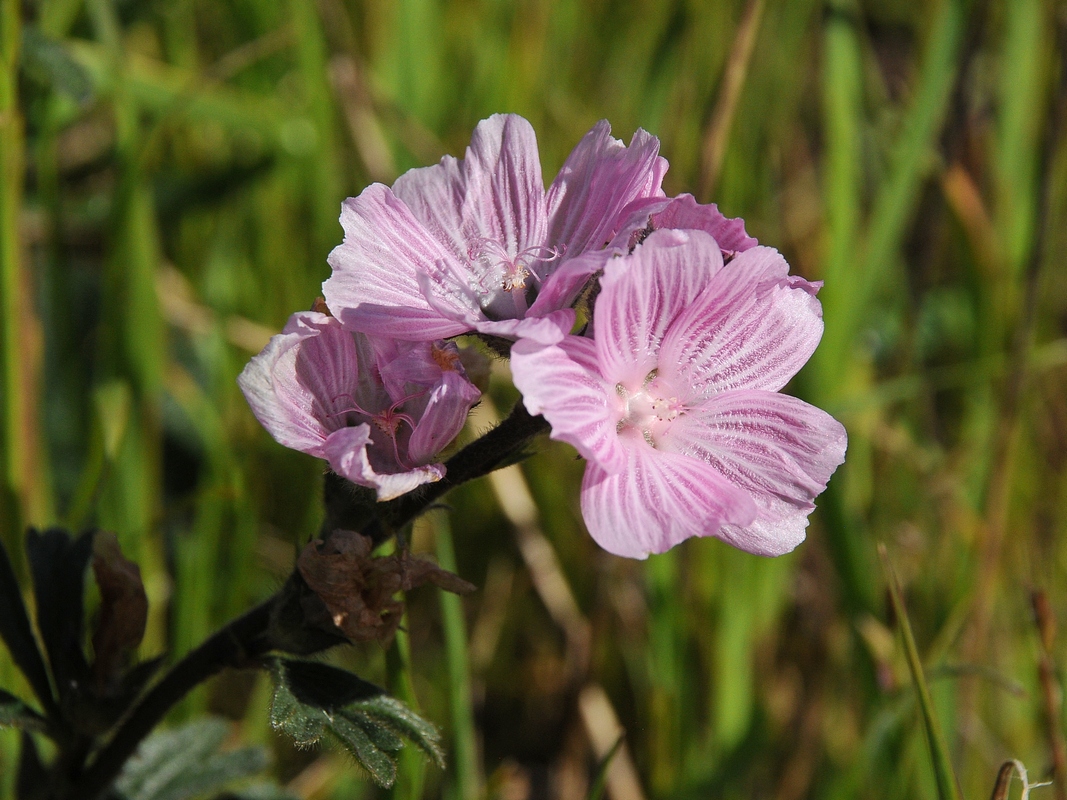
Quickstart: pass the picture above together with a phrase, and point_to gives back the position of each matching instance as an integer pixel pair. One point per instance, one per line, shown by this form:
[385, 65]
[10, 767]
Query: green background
[171, 179]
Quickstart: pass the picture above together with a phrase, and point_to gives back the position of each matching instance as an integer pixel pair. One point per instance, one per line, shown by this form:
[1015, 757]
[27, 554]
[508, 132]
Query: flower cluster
[671, 391]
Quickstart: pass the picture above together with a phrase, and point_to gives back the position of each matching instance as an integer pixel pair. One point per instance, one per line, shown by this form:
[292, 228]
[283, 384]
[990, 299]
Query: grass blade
[947, 785]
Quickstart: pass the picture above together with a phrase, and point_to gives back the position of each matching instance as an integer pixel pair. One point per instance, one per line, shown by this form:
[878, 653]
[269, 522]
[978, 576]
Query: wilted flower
[377, 410]
[478, 244]
[675, 401]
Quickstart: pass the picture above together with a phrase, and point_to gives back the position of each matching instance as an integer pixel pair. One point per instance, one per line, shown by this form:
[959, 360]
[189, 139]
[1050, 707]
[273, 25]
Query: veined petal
[548, 329]
[778, 449]
[563, 286]
[600, 177]
[443, 417]
[562, 382]
[642, 294]
[505, 199]
[753, 327]
[496, 193]
[302, 377]
[684, 213]
[346, 450]
[658, 500]
[374, 287]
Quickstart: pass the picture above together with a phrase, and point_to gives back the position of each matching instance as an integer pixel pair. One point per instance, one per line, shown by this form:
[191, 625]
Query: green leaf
[311, 699]
[302, 723]
[358, 742]
[186, 762]
[600, 781]
[947, 785]
[16, 714]
[398, 717]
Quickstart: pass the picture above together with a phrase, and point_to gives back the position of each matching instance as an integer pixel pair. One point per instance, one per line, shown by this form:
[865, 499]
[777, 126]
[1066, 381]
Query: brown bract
[358, 590]
[123, 608]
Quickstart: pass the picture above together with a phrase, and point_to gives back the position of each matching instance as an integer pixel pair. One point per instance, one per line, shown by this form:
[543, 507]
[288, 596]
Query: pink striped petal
[753, 327]
[302, 376]
[778, 449]
[598, 180]
[495, 194]
[658, 500]
[641, 295]
[562, 382]
[347, 450]
[374, 287]
[443, 417]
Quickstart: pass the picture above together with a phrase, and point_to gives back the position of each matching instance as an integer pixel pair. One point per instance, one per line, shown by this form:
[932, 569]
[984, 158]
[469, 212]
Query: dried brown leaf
[123, 613]
[358, 590]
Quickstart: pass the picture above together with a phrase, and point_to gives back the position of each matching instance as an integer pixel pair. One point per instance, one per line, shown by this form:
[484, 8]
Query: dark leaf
[259, 791]
[313, 699]
[355, 740]
[186, 763]
[325, 687]
[18, 635]
[58, 564]
[396, 716]
[16, 714]
[32, 782]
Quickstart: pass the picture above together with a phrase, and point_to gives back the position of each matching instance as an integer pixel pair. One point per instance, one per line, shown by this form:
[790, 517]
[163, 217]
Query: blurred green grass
[172, 174]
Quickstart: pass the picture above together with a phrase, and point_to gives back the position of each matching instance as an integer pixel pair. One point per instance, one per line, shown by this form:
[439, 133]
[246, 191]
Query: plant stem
[235, 645]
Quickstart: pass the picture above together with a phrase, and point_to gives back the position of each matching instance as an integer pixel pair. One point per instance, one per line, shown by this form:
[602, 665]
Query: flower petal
[600, 177]
[374, 287]
[753, 327]
[642, 294]
[346, 450]
[443, 417]
[495, 193]
[563, 286]
[778, 449]
[562, 382]
[658, 500]
[682, 213]
[295, 384]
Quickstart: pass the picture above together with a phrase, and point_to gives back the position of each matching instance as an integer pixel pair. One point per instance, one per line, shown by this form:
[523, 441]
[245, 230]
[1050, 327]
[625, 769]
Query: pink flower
[477, 244]
[377, 410]
[675, 401]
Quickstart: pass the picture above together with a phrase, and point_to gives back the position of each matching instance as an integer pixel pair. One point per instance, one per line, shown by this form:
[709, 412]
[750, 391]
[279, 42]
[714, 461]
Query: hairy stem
[236, 644]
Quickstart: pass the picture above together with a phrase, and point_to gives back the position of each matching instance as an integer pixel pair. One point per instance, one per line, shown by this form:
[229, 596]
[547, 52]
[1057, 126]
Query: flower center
[501, 278]
[648, 410]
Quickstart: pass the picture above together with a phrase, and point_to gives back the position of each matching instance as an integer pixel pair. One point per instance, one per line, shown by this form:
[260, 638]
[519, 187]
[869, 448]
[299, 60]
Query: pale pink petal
[303, 375]
[443, 417]
[642, 293]
[778, 449]
[374, 287]
[562, 382]
[505, 198]
[563, 286]
[347, 452]
[435, 196]
[681, 213]
[600, 177]
[753, 327]
[548, 329]
[658, 500]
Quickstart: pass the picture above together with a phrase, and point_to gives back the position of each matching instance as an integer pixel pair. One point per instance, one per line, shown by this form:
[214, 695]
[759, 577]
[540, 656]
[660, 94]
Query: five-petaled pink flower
[478, 244]
[377, 410]
[675, 403]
